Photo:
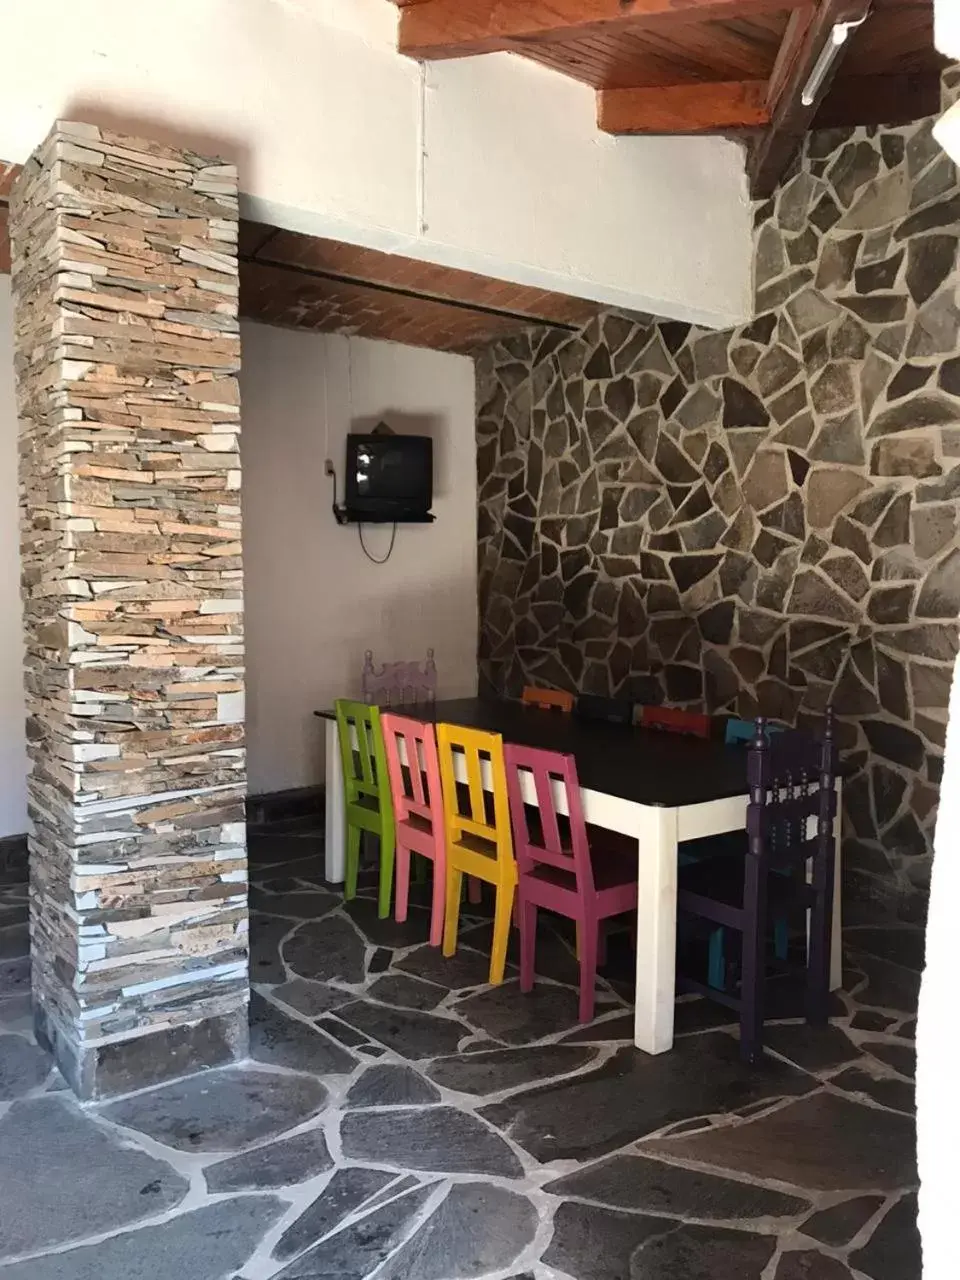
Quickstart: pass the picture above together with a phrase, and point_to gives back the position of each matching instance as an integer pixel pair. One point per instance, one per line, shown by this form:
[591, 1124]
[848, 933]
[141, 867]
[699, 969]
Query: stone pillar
[127, 349]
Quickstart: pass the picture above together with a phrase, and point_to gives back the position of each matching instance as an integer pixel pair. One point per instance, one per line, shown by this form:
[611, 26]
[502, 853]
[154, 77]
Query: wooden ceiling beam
[805, 38]
[712, 107]
[460, 28]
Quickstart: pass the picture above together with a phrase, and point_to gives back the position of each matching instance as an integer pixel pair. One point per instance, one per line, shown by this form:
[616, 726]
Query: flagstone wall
[126, 350]
[763, 519]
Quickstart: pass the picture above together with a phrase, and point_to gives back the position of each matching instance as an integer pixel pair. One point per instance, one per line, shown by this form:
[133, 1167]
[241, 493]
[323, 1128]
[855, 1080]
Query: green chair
[366, 792]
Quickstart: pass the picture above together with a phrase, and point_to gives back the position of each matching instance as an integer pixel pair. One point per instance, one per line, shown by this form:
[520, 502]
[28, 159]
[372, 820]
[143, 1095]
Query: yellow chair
[477, 828]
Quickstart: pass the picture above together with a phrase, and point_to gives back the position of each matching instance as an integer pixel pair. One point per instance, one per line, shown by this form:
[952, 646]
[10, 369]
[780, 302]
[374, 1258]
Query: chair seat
[608, 873]
[722, 880]
[365, 812]
[416, 832]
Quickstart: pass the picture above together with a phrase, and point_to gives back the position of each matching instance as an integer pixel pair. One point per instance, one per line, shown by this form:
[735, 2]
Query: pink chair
[586, 877]
[418, 809]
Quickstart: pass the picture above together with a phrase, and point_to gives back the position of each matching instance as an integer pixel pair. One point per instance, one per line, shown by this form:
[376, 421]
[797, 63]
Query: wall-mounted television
[389, 478]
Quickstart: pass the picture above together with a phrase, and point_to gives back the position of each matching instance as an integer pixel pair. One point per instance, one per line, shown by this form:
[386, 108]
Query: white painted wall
[13, 744]
[492, 164]
[314, 603]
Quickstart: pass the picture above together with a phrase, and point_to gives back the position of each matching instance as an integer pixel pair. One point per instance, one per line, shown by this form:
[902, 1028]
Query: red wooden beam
[712, 107]
[459, 28]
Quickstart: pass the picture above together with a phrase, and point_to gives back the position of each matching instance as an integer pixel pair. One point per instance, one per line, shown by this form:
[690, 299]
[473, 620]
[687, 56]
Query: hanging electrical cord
[373, 559]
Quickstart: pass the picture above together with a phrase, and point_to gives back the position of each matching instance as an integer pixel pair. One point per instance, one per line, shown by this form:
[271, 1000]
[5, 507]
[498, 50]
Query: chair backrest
[548, 699]
[739, 731]
[398, 684]
[791, 776]
[534, 780]
[693, 723]
[362, 752]
[465, 807]
[591, 706]
[413, 768]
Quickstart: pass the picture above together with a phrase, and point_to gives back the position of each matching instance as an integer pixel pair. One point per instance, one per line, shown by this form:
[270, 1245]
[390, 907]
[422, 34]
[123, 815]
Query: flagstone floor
[401, 1119]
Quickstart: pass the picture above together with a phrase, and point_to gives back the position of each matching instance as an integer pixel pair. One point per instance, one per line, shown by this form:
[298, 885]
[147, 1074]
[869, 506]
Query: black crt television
[389, 478]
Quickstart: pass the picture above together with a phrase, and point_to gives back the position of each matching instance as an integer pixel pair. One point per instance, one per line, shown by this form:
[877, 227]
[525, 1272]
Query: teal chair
[738, 731]
[368, 806]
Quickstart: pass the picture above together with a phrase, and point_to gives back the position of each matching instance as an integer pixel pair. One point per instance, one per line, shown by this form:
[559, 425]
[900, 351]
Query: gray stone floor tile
[823, 1143]
[465, 968]
[354, 1252]
[408, 1032]
[431, 1140]
[634, 1094]
[280, 1164]
[477, 1229]
[208, 1244]
[840, 1223]
[387, 1085]
[591, 1243]
[266, 934]
[283, 1041]
[388, 932]
[893, 1251]
[901, 1057]
[406, 992]
[651, 1186]
[347, 1191]
[810, 1264]
[52, 1148]
[703, 1253]
[221, 1110]
[813, 1048]
[310, 998]
[507, 1014]
[328, 950]
[495, 1070]
[23, 1066]
[298, 905]
[886, 1090]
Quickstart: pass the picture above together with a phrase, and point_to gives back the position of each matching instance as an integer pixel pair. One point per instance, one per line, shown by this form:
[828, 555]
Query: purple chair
[399, 684]
[791, 777]
[562, 868]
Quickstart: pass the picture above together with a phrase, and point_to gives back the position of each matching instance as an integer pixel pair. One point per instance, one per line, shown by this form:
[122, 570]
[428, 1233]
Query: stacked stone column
[127, 350]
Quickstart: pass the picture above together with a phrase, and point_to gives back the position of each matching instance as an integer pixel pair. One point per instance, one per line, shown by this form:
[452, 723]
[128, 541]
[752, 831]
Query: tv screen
[389, 476]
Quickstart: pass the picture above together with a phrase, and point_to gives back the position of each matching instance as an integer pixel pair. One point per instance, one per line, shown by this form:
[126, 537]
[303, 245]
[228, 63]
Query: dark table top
[642, 765]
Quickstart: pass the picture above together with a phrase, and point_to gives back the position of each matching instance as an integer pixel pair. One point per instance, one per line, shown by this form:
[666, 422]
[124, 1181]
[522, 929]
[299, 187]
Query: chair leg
[387, 848]
[353, 862]
[753, 972]
[502, 921]
[452, 917]
[437, 902]
[402, 900]
[528, 943]
[474, 892]
[589, 931]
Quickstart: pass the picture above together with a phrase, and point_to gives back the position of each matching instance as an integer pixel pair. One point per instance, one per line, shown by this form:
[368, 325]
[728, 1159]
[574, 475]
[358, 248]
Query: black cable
[373, 559]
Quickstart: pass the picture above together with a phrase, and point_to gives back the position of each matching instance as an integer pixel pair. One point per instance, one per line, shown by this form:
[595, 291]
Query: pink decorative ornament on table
[399, 684]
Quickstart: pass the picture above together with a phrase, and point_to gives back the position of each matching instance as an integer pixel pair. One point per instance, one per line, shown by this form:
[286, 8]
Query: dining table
[658, 788]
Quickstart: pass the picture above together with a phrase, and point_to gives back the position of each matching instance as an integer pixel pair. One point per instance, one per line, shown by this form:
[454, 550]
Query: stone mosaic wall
[764, 519]
[126, 349]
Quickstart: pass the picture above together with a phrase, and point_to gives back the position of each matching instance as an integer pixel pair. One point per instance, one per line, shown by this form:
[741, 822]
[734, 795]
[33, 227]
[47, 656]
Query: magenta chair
[562, 868]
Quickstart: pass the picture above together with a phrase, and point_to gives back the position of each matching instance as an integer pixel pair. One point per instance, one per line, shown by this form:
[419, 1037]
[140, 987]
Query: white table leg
[656, 929]
[333, 845]
[836, 936]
